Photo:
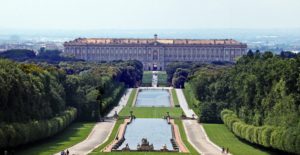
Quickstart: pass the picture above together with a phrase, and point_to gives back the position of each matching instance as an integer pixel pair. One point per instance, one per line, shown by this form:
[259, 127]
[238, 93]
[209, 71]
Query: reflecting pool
[157, 131]
[153, 98]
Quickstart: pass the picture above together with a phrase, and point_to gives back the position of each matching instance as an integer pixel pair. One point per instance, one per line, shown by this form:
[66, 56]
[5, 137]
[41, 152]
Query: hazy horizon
[148, 14]
[162, 33]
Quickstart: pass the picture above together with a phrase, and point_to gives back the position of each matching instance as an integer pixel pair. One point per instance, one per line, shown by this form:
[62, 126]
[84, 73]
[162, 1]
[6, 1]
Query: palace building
[155, 53]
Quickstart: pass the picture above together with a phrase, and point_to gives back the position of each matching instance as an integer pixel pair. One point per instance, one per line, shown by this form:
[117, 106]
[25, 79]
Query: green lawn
[148, 112]
[131, 98]
[151, 112]
[184, 137]
[71, 136]
[162, 78]
[190, 98]
[220, 135]
[175, 98]
[147, 77]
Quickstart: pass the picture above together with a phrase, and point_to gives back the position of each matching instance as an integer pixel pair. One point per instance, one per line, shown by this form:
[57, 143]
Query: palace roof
[127, 41]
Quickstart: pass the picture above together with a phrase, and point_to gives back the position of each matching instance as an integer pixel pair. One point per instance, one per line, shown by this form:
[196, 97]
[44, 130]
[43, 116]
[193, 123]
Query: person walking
[227, 150]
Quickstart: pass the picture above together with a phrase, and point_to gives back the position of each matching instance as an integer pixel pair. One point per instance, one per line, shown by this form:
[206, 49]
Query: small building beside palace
[155, 53]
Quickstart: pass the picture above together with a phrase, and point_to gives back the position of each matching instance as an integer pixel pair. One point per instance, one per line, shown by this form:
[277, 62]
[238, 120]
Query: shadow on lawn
[271, 151]
[54, 143]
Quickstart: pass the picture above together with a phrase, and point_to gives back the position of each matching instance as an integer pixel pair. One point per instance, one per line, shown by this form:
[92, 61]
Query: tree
[18, 54]
[262, 91]
[250, 53]
[179, 77]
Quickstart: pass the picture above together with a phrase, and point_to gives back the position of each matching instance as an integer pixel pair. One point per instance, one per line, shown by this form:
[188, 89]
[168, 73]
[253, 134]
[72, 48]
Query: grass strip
[131, 98]
[175, 98]
[147, 77]
[193, 103]
[72, 135]
[221, 136]
[151, 112]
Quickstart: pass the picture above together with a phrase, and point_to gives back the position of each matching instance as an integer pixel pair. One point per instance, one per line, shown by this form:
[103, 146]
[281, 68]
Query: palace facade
[155, 53]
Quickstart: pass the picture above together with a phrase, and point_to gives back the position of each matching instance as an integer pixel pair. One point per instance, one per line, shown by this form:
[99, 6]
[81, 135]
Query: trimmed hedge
[113, 97]
[15, 134]
[285, 139]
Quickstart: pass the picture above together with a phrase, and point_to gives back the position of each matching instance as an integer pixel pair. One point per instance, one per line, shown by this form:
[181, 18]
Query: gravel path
[98, 135]
[122, 103]
[100, 132]
[198, 138]
[154, 78]
[183, 104]
[194, 131]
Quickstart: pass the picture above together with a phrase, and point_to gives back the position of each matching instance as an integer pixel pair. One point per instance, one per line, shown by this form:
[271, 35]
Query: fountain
[145, 146]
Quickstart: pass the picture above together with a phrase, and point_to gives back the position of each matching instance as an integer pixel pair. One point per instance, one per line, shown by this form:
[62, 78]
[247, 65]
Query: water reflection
[157, 131]
[153, 98]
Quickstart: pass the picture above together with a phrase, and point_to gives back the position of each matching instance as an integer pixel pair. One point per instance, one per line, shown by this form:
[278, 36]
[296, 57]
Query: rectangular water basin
[153, 98]
[157, 131]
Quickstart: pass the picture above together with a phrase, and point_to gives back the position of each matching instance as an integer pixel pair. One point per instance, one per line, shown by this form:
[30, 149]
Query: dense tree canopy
[30, 92]
[178, 71]
[172, 67]
[18, 54]
[262, 89]
[179, 77]
[48, 56]
[38, 95]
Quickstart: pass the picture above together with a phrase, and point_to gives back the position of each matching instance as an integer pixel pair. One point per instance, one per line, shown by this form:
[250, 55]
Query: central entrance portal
[154, 67]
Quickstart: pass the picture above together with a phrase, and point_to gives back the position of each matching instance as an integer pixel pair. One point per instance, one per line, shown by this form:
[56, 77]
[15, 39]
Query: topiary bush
[285, 139]
[14, 134]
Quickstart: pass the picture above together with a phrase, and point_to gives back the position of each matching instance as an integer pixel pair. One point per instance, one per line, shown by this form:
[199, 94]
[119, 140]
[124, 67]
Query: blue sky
[149, 14]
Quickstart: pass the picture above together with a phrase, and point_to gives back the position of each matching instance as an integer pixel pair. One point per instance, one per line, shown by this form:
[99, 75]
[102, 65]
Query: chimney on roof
[155, 37]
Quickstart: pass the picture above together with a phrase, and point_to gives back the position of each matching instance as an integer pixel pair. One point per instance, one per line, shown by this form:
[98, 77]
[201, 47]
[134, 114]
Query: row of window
[173, 54]
[167, 51]
[107, 57]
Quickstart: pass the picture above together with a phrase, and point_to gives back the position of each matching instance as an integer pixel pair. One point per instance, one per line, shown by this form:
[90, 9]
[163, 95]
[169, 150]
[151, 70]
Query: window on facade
[155, 55]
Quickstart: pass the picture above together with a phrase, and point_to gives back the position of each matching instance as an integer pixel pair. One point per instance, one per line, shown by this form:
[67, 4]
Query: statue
[145, 146]
[116, 115]
[164, 149]
[138, 146]
[126, 148]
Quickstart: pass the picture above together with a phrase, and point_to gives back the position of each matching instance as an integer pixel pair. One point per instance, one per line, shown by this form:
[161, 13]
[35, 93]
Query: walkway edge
[207, 138]
[123, 101]
[212, 143]
[104, 140]
[185, 130]
[189, 112]
[184, 105]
